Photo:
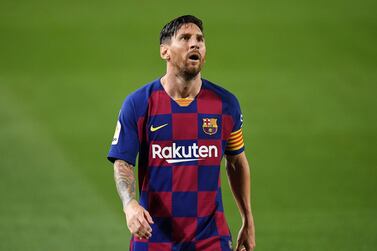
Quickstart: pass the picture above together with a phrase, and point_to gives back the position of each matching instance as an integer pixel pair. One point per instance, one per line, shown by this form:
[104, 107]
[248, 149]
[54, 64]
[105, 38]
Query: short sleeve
[235, 144]
[125, 143]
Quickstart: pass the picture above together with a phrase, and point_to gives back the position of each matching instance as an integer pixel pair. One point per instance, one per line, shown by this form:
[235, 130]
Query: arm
[238, 172]
[138, 219]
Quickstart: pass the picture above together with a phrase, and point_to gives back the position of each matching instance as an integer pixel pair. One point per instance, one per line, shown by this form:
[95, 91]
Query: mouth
[194, 56]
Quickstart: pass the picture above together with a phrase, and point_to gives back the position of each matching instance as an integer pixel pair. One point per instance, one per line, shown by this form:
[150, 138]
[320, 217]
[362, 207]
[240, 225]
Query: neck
[177, 86]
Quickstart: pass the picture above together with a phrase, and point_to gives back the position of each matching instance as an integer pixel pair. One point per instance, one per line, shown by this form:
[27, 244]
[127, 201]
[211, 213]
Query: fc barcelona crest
[210, 126]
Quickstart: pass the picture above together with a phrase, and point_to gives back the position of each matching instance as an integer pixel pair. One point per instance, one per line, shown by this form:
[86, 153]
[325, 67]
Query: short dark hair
[171, 28]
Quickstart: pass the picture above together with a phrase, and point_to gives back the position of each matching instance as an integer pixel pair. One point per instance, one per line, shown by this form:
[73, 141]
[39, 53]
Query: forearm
[124, 177]
[138, 219]
[239, 179]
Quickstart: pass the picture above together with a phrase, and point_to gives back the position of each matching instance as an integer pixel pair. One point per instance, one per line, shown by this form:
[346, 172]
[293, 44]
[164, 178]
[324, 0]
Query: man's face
[187, 51]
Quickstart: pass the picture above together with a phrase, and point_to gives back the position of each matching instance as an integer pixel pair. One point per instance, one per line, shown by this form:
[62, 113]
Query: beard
[189, 71]
[186, 68]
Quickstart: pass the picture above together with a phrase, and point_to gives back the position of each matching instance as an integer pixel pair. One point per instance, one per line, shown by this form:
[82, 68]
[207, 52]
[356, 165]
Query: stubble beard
[190, 72]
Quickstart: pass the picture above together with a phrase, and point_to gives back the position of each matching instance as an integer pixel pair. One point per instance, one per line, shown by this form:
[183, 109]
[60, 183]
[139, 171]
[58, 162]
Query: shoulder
[138, 99]
[228, 99]
[143, 93]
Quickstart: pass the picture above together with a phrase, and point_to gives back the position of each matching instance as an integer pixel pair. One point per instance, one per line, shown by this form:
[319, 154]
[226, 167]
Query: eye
[186, 37]
[200, 38]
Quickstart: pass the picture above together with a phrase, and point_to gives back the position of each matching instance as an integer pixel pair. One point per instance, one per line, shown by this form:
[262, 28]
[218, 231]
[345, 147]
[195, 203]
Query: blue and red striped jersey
[180, 146]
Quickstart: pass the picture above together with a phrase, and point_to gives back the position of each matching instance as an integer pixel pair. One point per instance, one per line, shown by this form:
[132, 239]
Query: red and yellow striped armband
[235, 141]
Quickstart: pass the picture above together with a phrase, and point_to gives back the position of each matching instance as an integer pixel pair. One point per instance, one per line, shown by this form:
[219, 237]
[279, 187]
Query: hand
[138, 220]
[246, 238]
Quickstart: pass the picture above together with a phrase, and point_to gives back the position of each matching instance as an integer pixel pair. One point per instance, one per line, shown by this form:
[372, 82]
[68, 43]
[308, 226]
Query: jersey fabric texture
[180, 150]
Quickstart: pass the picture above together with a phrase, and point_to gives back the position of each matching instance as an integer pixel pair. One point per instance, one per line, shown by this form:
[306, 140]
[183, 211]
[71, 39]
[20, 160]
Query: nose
[194, 47]
[194, 44]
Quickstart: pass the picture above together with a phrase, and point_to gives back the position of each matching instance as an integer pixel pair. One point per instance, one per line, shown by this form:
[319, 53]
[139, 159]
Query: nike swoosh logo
[153, 129]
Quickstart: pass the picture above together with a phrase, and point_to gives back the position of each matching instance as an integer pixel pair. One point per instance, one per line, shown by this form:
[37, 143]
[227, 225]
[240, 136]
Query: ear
[164, 52]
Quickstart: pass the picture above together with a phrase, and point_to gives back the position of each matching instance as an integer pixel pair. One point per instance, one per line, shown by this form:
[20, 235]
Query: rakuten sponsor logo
[176, 154]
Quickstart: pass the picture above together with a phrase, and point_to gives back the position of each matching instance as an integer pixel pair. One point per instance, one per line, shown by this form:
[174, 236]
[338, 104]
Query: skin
[183, 80]
[137, 218]
[238, 171]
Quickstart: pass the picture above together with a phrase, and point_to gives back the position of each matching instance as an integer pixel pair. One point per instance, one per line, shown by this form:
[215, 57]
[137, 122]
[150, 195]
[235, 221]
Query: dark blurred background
[305, 73]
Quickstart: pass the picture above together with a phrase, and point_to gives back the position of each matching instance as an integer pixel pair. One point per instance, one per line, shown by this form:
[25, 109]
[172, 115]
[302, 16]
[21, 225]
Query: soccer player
[181, 125]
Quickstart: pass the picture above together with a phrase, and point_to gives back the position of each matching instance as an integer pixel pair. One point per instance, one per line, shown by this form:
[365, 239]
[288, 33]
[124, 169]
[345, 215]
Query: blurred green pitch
[305, 73]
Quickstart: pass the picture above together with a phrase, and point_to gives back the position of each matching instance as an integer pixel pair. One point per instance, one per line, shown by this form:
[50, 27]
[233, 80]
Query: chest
[185, 126]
